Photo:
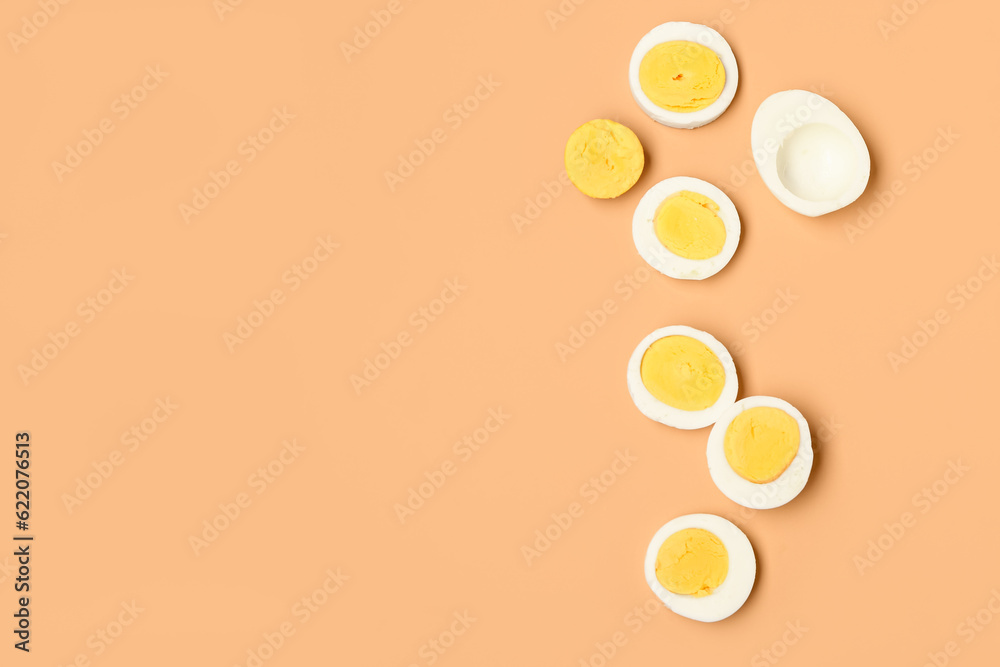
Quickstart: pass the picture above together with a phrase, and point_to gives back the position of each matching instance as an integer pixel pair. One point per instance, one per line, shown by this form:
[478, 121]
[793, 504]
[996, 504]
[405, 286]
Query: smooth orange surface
[461, 282]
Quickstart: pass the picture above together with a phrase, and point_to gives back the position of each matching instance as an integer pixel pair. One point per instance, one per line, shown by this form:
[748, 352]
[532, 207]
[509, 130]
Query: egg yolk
[682, 76]
[761, 443]
[683, 373]
[604, 159]
[688, 224]
[692, 561]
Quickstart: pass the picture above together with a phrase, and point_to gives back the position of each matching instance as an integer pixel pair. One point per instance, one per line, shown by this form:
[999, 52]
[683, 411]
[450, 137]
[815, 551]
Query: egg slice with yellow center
[682, 377]
[686, 228]
[701, 566]
[683, 74]
[760, 452]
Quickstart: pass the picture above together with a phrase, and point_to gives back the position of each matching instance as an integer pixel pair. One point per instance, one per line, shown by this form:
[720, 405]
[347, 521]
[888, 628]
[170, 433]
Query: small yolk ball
[682, 76]
[604, 159]
[692, 561]
[688, 225]
[683, 373]
[760, 443]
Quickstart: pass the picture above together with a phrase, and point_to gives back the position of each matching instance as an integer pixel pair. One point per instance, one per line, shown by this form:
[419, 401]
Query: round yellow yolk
[688, 224]
[761, 443]
[604, 159]
[682, 76]
[683, 373]
[692, 561]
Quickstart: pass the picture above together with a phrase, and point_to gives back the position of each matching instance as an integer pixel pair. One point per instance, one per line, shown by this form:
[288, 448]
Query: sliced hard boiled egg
[686, 228]
[701, 566]
[604, 159]
[683, 74]
[809, 153]
[760, 452]
[682, 377]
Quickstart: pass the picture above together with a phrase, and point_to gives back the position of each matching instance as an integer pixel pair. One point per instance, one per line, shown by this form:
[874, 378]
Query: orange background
[883, 434]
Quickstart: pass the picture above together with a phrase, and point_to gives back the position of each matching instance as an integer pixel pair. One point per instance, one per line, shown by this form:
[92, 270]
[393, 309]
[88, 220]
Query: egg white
[749, 494]
[655, 409]
[734, 590]
[658, 255]
[809, 153]
[689, 32]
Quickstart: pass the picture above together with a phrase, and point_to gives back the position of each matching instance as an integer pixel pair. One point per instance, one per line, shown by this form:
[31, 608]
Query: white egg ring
[657, 255]
[749, 494]
[782, 114]
[655, 409]
[688, 32]
[725, 600]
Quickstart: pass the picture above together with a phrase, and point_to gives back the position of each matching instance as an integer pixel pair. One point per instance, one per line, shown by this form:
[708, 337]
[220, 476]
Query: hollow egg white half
[808, 152]
[681, 31]
[721, 377]
[658, 255]
[734, 590]
[759, 495]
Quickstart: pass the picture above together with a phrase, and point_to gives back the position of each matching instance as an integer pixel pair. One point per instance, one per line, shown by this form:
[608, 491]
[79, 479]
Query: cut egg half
[683, 75]
[682, 377]
[760, 452]
[809, 153]
[701, 566]
[686, 228]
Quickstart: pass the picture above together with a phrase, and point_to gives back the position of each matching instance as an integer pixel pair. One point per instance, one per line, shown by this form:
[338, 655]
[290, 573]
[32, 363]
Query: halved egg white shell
[749, 494]
[658, 256]
[725, 600]
[809, 153]
[659, 411]
[689, 32]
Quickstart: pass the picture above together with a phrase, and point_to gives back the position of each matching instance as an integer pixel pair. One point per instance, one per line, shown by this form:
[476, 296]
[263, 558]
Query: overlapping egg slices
[759, 452]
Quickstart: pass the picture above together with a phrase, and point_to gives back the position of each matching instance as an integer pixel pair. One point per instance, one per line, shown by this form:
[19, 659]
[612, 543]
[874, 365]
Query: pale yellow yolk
[604, 159]
[688, 224]
[761, 443]
[683, 373]
[682, 76]
[692, 561]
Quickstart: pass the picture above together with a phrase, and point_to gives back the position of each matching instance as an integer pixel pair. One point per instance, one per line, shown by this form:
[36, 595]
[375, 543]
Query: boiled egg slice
[760, 452]
[701, 566]
[686, 228]
[683, 74]
[809, 153]
[682, 377]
